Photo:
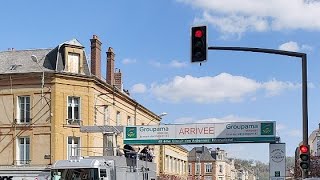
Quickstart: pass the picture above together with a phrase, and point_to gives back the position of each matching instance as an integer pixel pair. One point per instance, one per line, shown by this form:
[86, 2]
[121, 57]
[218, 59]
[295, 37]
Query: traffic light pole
[303, 57]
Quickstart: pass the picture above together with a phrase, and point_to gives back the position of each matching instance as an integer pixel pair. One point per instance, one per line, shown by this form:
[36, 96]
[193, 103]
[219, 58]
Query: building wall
[203, 175]
[173, 161]
[48, 130]
[38, 130]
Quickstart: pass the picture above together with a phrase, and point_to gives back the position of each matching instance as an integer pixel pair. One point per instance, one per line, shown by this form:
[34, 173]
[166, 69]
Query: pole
[303, 57]
[304, 107]
[137, 160]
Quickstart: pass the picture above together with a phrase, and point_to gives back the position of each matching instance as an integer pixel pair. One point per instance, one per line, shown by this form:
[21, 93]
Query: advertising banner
[277, 161]
[206, 133]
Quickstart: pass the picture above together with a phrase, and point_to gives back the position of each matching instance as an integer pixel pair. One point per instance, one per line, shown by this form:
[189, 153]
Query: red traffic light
[198, 34]
[304, 149]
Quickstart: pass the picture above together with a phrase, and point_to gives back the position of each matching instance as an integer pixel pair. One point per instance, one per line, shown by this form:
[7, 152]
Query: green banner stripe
[203, 140]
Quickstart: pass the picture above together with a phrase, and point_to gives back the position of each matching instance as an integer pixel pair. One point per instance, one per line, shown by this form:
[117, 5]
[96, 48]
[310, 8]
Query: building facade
[201, 164]
[214, 164]
[47, 94]
[314, 142]
[173, 161]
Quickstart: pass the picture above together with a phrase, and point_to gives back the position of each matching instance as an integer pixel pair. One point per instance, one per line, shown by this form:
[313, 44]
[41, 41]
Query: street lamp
[35, 59]
[162, 114]
[160, 117]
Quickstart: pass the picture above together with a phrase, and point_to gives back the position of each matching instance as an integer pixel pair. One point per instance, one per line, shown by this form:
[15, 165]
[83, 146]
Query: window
[189, 168]
[118, 121]
[103, 173]
[74, 110]
[208, 168]
[106, 116]
[23, 112]
[73, 146]
[221, 168]
[129, 121]
[73, 62]
[198, 168]
[167, 163]
[23, 150]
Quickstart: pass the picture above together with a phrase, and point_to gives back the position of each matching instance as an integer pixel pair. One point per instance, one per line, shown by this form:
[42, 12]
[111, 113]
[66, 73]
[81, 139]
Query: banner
[277, 161]
[206, 133]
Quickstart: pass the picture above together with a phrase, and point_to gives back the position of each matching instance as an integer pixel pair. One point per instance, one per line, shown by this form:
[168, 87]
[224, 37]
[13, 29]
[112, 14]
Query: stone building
[47, 94]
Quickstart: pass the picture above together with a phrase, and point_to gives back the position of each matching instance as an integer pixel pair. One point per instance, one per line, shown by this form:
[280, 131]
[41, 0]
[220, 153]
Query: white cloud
[280, 127]
[294, 46]
[177, 64]
[223, 87]
[184, 120]
[155, 64]
[289, 46]
[229, 118]
[238, 16]
[138, 88]
[128, 61]
[306, 47]
[275, 87]
[172, 64]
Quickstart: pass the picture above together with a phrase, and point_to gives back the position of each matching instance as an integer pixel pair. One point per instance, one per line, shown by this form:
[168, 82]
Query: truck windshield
[75, 174]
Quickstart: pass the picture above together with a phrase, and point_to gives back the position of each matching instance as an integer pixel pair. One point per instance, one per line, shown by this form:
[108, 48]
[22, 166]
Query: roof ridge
[27, 49]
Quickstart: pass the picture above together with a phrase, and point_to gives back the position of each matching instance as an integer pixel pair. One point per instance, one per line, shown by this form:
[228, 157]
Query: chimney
[96, 56]
[110, 66]
[118, 79]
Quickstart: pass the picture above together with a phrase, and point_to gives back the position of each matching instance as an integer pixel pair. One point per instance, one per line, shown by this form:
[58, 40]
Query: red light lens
[304, 149]
[198, 34]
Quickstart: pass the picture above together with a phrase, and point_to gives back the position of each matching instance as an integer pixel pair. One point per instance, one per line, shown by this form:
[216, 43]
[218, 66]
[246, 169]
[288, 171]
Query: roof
[73, 42]
[47, 60]
[20, 61]
[197, 153]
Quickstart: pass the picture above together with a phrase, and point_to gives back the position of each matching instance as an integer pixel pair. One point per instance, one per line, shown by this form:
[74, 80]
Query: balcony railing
[23, 121]
[22, 162]
[75, 122]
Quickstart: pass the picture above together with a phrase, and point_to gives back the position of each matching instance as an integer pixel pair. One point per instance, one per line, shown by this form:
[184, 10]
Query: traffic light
[199, 47]
[304, 157]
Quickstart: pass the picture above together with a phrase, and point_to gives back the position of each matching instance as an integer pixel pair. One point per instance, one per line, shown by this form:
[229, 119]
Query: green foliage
[260, 168]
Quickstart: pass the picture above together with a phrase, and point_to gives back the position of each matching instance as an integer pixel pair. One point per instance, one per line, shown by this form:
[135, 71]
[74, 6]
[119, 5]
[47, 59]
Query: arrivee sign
[206, 133]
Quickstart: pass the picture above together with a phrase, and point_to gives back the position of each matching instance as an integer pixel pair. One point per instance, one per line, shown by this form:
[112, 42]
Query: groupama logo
[266, 128]
[131, 132]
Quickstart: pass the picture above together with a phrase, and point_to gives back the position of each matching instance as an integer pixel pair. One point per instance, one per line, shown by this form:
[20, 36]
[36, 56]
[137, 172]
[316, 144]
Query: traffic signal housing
[199, 45]
[304, 157]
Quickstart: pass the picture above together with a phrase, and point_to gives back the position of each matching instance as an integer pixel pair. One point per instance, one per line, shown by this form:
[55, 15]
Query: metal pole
[303, 57]
[137, 160]
[304, 107]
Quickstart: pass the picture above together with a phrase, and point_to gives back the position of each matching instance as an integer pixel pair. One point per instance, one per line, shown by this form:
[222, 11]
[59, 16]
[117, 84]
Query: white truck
[103, 168]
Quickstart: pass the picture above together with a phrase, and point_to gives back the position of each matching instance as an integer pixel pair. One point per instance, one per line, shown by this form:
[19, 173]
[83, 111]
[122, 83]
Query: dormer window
[73, 57]
[73, 63]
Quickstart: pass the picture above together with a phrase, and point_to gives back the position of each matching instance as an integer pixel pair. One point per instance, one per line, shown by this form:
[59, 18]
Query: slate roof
[49, 60]
[23, 62]
[196, 152]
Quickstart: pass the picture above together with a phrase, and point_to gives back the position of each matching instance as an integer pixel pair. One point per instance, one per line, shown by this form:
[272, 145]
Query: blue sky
[152, 45]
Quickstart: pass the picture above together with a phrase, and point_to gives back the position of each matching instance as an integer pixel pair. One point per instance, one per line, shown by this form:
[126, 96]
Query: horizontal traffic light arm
[262, 50]
[303, 57]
